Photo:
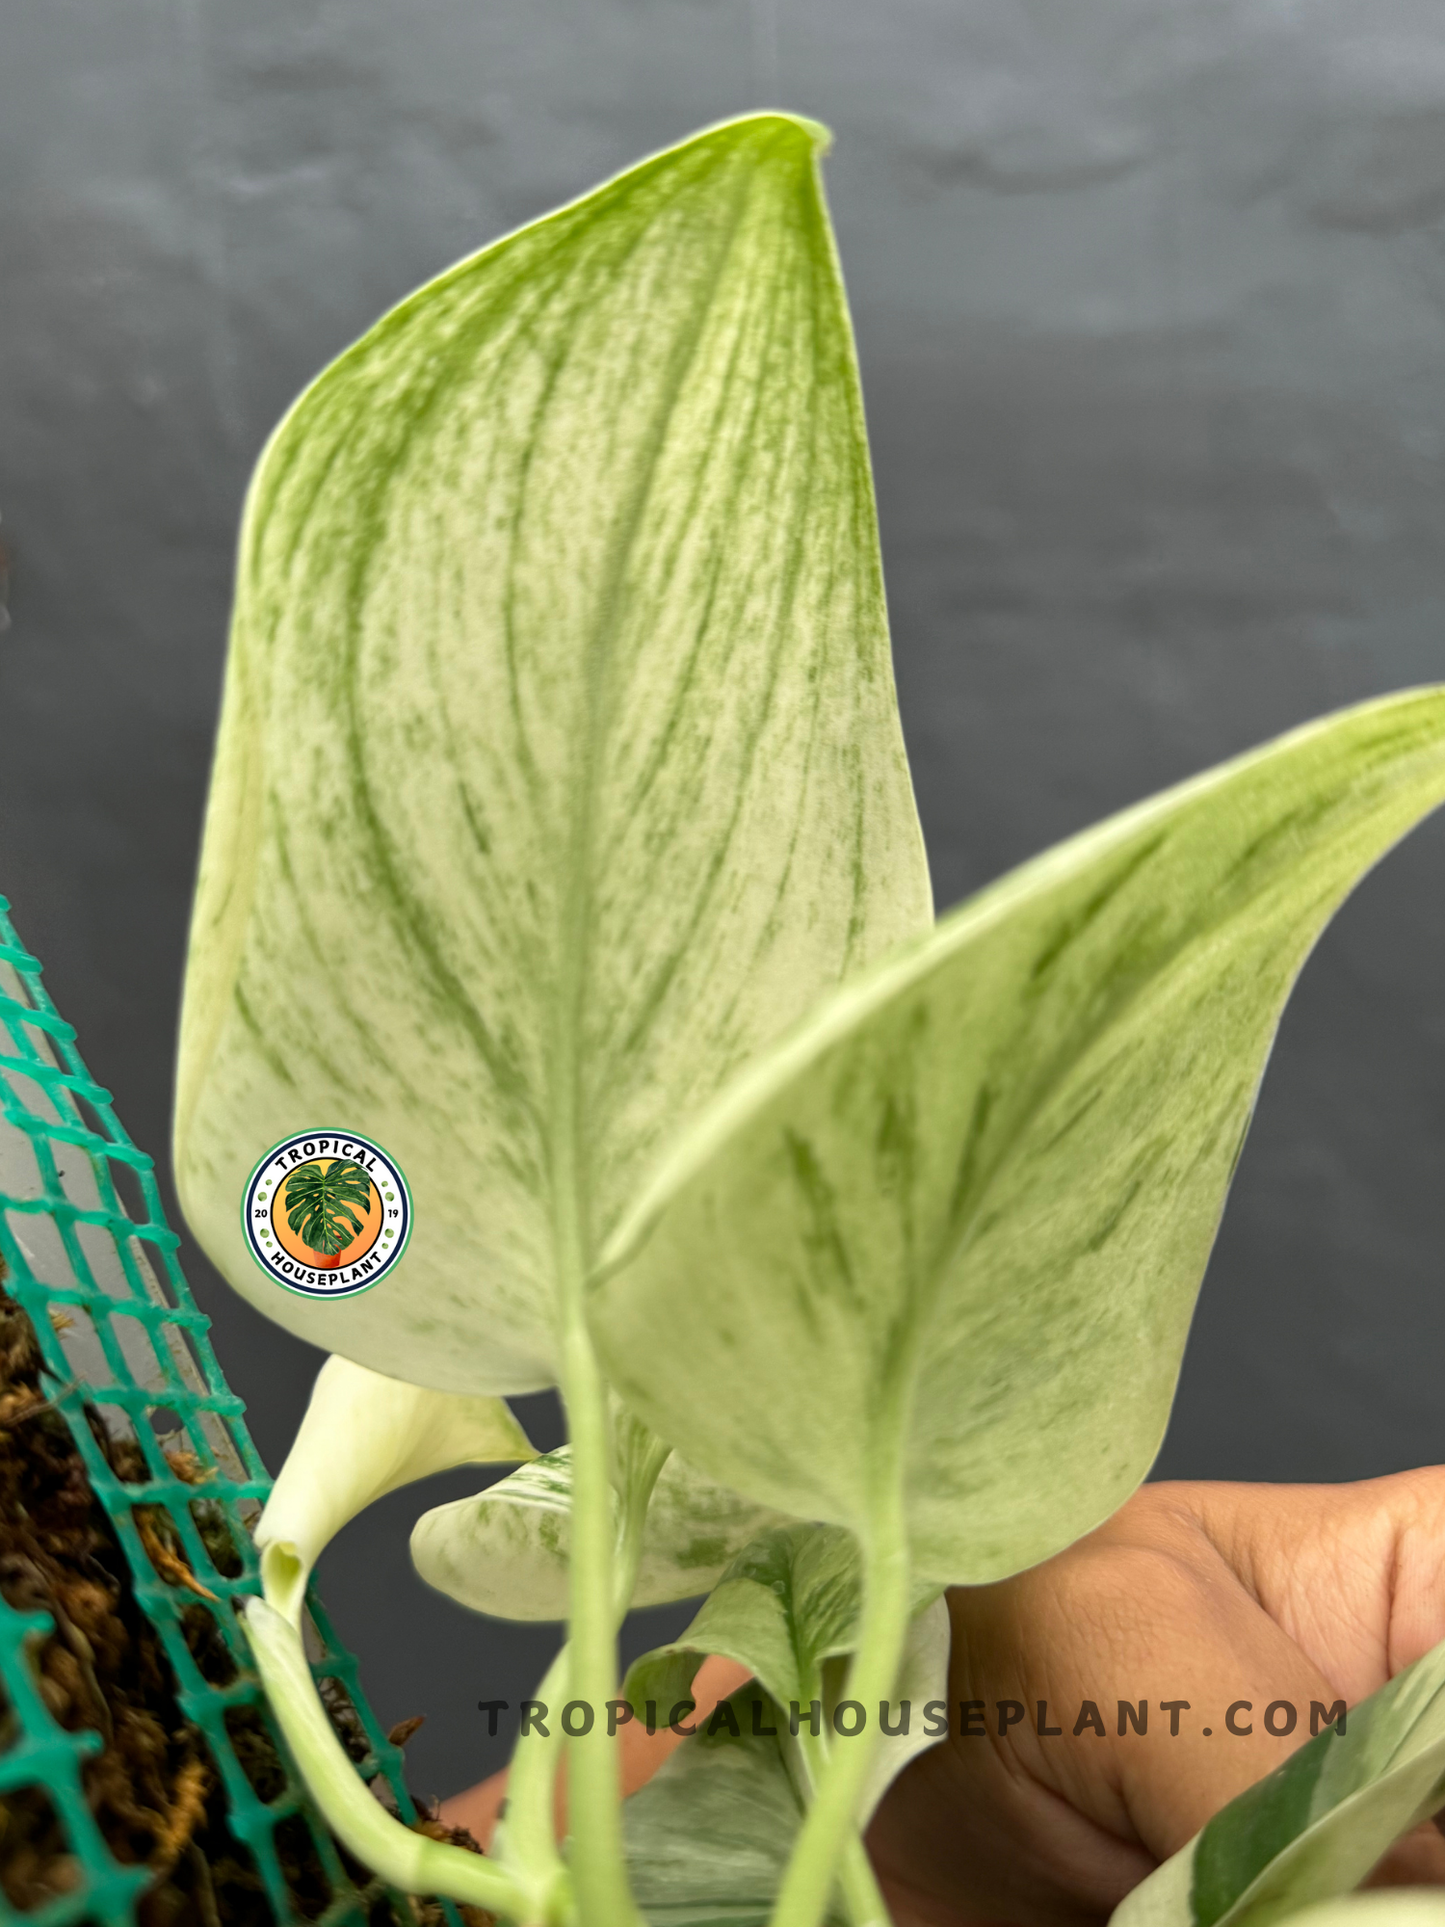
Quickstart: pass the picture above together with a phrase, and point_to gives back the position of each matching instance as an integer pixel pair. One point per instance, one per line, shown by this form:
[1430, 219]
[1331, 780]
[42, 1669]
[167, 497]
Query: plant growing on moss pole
[561, 839]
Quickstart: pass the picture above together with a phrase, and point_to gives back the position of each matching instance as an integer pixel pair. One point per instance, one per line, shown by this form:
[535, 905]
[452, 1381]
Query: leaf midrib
[572, 1167]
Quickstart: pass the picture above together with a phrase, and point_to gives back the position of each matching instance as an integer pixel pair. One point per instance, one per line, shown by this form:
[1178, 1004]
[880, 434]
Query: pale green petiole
[862, 1895]
[401, 1857]
[527, 1832]
[594, 1799]
[639, 1458]
[388, 1434]
[807, 1756]
[830, 1823]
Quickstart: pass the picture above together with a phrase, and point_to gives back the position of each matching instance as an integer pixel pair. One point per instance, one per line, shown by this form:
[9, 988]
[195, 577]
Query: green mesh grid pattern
[131, 1343]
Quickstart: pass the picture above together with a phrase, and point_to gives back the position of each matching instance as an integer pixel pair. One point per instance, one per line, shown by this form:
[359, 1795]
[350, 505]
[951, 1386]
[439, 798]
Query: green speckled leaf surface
[559, 765]
[787, 1608]
[709, 1836]
[973, 1197]
[786, 1603]
[505, 1552]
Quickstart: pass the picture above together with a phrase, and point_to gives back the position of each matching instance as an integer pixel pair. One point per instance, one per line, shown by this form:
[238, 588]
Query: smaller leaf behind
[363, 1436]
[1316, 1826]
[787, 1608]
[506, 1551]
[787, 1602]
[918, 1711]
[709, 1836]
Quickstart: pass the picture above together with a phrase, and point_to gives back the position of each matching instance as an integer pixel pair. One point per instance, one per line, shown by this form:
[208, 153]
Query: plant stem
[527, 1832]
[823, 1842]
[862, 1897]
[645, 1459]
[403, 1858]
[594, 1797]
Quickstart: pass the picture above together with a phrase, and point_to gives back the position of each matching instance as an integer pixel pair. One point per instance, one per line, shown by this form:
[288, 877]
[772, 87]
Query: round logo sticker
[326, 1214]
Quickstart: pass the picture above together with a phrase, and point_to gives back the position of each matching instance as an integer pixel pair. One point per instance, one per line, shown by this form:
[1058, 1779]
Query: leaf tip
[818, 137]
[777, 129]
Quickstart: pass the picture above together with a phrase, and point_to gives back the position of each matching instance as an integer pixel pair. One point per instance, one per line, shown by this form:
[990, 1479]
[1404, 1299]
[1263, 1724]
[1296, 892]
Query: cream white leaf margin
[1394, 1907]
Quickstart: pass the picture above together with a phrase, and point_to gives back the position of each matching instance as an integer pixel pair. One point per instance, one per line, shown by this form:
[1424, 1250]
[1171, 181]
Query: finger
[958, 1844]
[1355, 1574]
[1053, 1805]
[1415, 1503]
[1148, 1613]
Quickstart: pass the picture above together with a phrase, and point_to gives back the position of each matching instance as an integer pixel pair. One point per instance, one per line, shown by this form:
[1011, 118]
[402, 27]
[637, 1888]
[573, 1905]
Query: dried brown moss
[153, 1787]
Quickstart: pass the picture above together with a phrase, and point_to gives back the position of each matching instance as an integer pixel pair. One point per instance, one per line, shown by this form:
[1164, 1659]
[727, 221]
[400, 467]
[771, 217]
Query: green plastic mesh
[84, 1237]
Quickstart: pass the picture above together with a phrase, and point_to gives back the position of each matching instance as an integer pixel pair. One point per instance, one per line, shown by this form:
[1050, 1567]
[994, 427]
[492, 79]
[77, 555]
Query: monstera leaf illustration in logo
[319, 1205]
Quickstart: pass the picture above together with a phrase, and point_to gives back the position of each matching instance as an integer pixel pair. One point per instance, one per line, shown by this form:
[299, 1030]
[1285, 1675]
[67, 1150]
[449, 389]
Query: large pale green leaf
[709, 1835]
[559, 765]
[1316, 1826]
[950, 1232]
[506, 1551]
[788, 1604]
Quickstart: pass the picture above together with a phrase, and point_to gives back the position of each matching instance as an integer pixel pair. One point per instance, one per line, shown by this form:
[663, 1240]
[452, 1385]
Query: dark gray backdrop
[1150, 296]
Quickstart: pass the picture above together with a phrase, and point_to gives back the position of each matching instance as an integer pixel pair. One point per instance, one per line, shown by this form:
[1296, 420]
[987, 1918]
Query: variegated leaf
[506, 1551]
[787, 1608]
[709, 1836]
[1316, 1826]
[559, 766]
[942, 1229]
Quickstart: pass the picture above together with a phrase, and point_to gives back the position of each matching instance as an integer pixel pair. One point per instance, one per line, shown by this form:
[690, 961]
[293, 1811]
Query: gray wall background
[1151, 303]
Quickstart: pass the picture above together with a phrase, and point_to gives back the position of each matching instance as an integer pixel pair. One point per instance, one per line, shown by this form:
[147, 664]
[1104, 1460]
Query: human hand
[1205, 1593]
